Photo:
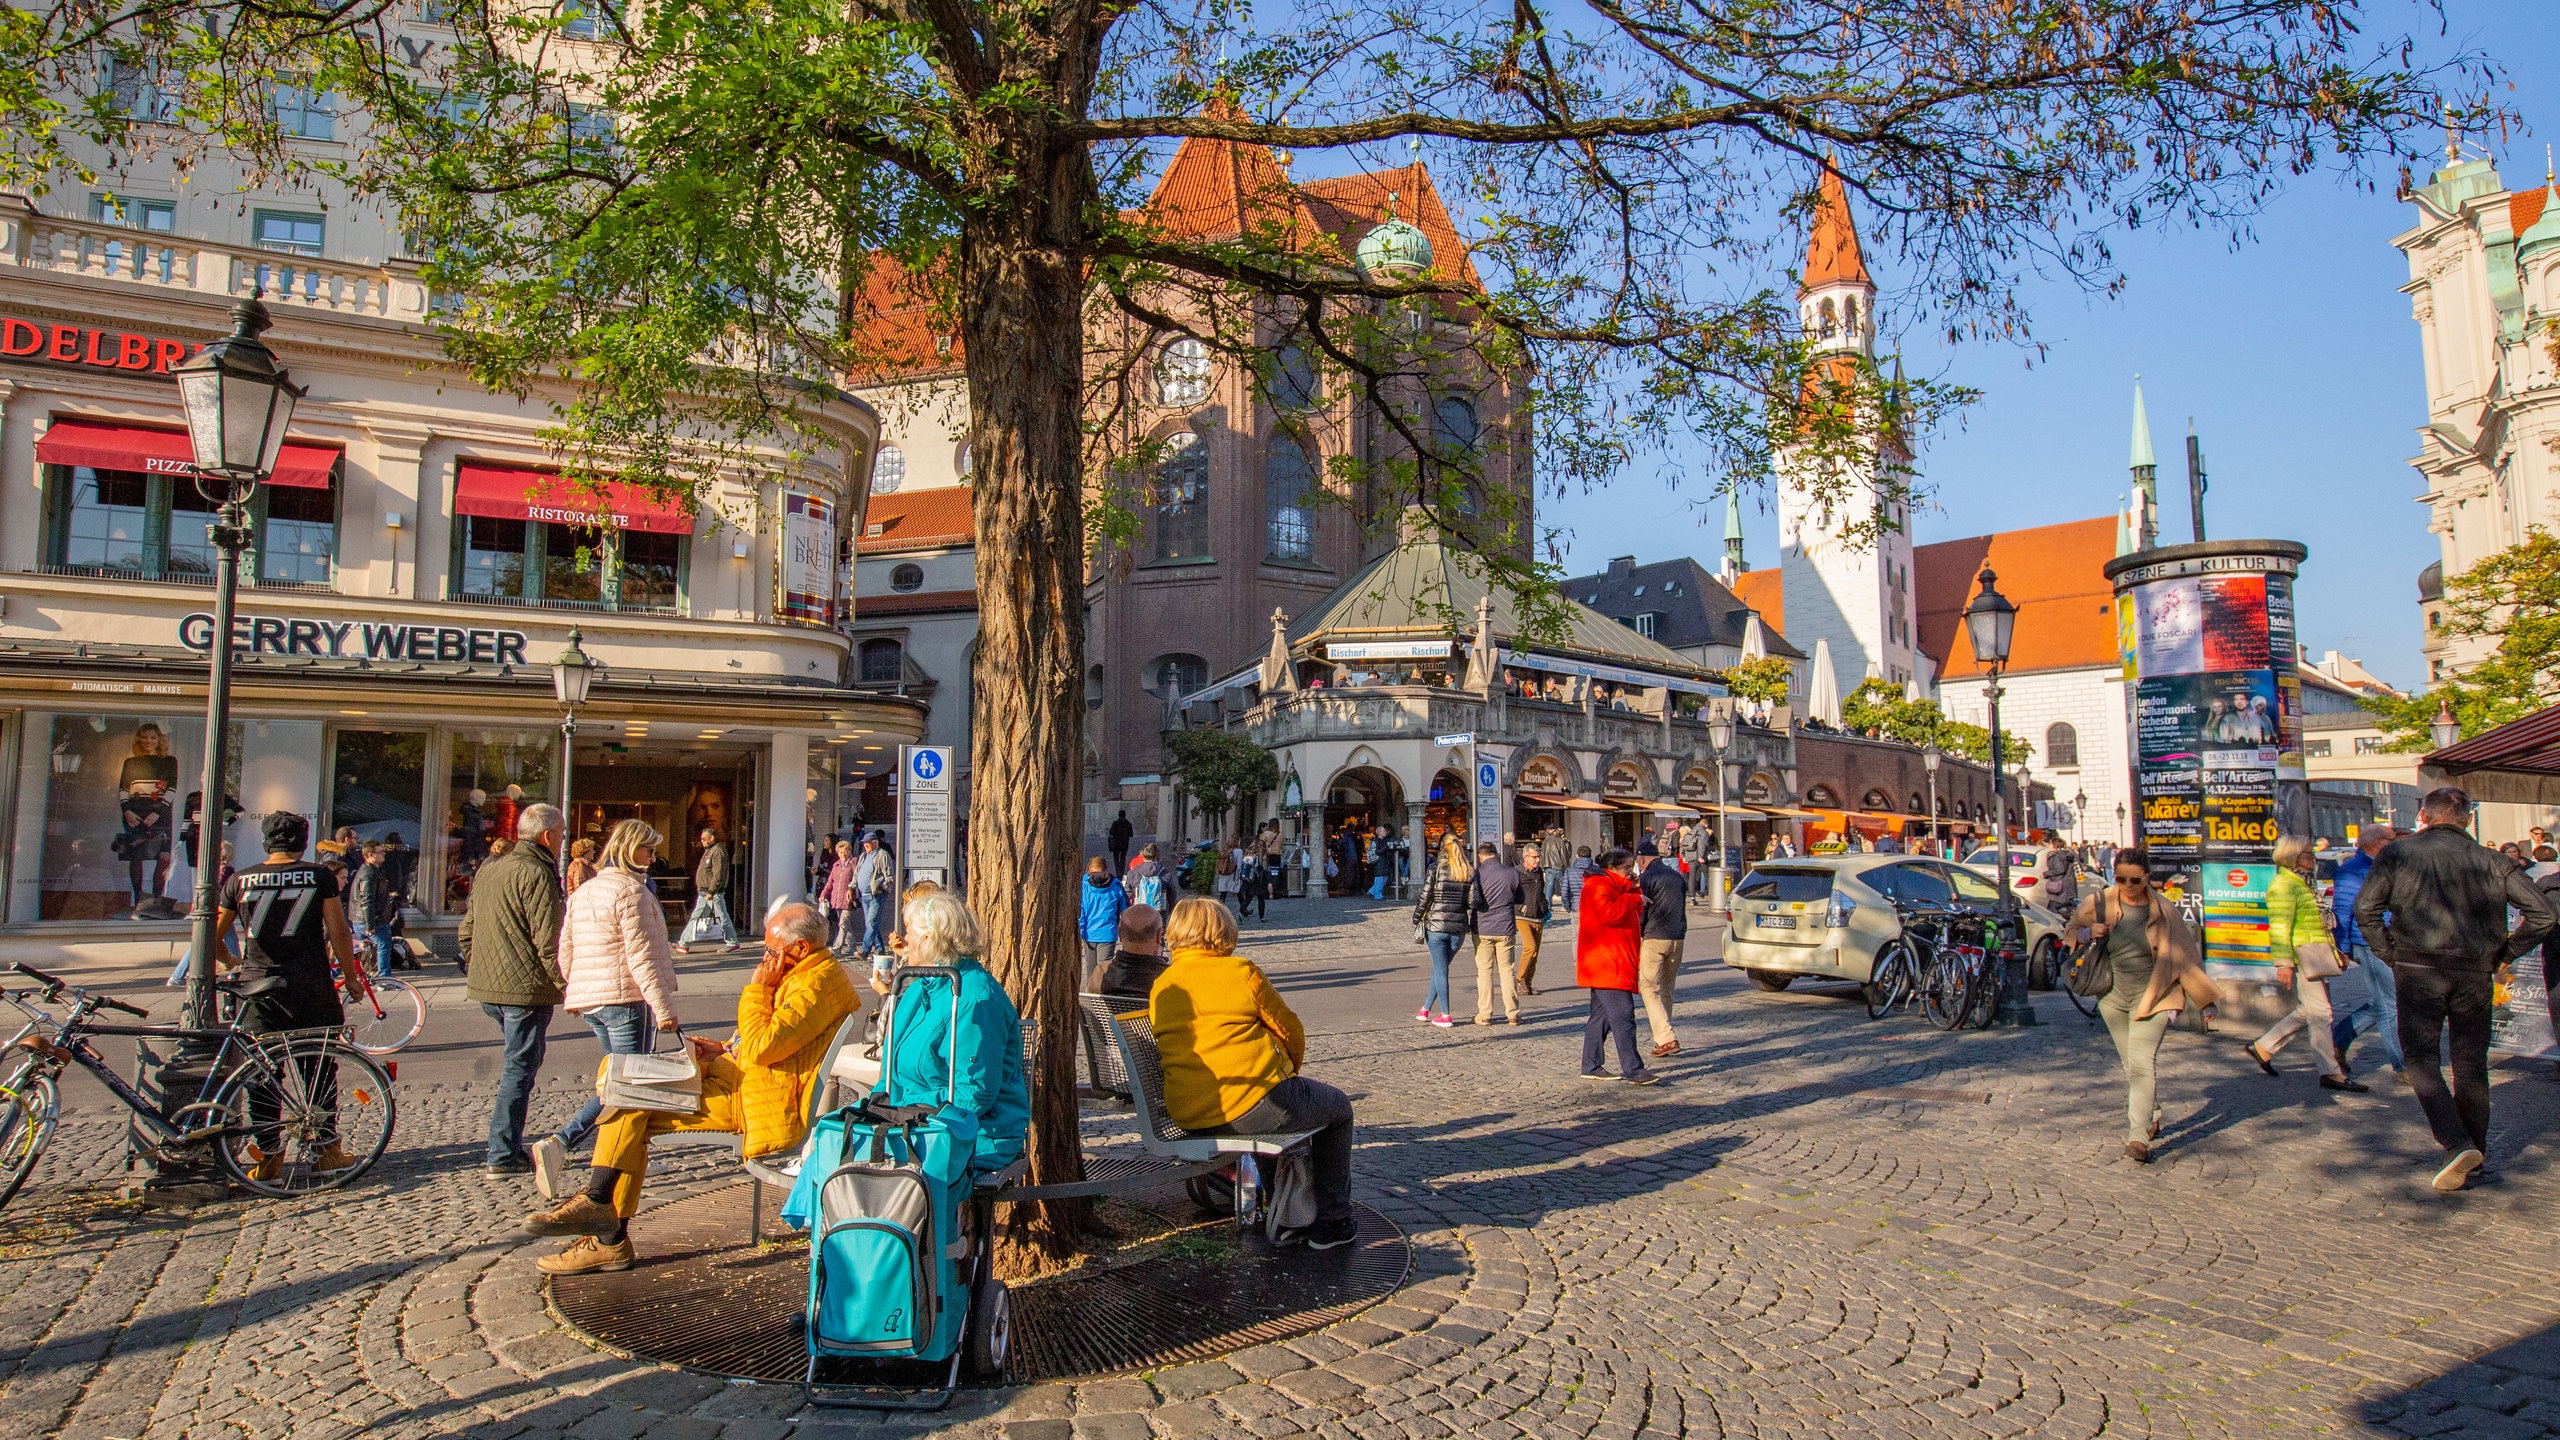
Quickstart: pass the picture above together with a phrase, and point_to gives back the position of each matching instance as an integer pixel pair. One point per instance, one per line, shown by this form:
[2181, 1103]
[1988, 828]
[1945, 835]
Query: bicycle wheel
[393, 1019]
[1982, 993]
[29, 1109]
[324, 1107]
[1890, 983]
[2086, 955]
[1950, 996]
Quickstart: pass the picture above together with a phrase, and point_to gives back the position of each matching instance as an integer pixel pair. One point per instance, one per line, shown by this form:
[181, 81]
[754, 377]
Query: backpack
[1150, 892]
[1226, 862]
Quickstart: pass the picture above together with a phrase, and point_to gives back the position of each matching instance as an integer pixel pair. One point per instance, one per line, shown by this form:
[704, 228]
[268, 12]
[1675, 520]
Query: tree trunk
[1021, 302]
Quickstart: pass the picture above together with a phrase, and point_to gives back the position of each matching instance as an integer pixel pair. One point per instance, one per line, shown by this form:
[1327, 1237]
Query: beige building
[417, 564]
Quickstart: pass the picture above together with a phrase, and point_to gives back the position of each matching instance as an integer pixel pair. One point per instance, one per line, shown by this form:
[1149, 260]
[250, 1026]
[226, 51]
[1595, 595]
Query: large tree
[619, 194]
[2509, 602]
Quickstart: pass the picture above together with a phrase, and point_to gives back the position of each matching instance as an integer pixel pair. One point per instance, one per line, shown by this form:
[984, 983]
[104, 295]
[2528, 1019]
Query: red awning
[102, 446]
[503, 492]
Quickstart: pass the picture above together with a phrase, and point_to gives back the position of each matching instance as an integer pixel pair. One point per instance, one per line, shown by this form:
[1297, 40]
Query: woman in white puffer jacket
[620, 972]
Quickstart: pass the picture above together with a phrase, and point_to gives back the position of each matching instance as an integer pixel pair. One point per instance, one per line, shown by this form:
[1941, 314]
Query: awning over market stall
[1563, 802]
[2518, 763]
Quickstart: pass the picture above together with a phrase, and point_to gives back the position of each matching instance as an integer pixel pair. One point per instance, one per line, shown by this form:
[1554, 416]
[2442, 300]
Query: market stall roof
[1427, 588]
[2517, 763]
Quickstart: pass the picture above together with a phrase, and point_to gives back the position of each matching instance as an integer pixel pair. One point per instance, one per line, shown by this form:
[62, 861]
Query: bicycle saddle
[251, 989]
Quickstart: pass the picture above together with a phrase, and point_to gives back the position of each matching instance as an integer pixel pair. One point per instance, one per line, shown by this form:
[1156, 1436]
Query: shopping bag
[670, 1084]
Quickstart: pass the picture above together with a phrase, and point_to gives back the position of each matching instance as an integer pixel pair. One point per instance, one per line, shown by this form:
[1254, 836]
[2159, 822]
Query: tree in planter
[1220, 770]
[1881, 709]
[692, 208]
[2513, 599]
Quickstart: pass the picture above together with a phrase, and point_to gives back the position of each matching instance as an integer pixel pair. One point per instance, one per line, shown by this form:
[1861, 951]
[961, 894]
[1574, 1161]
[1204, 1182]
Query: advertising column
[2210, 666]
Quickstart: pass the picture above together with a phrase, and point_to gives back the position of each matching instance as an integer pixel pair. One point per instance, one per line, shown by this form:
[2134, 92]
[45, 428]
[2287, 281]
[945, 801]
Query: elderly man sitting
[756, 1086]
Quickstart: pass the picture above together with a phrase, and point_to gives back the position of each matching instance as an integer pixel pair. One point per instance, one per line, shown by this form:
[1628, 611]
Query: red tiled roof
[1831, 253]
[1348, 206]
[2054, 574]
[919, 520]
[2525, 206]
[922, 602]
[903, 335]
[1766, 592]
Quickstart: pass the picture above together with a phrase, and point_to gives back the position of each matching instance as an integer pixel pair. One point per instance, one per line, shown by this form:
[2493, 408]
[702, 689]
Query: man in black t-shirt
[292, 925]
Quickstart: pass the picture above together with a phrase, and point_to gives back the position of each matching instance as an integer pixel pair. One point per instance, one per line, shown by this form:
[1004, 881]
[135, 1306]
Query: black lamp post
[238, 402]
[1930, 755]
[2080, 811]
[1720, 737]
[1989, 622]
[571, 677]
[2119, 822]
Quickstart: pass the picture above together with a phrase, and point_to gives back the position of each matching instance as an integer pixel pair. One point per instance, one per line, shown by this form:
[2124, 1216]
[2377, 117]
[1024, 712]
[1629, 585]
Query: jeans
[1572, 896]
[1299, 1103]
[2138, 1048]
[522, 1029]
[710, 908]
[1378, 886]
[385, 946]
[1444, 949]
[1097, 958]
[2379, 1015]
[1613, 1017]
[621, 1030]
[875, 924]
[2431, 1002]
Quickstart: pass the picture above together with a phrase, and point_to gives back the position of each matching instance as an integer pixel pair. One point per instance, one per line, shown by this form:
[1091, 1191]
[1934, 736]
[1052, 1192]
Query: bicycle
[388, 1012]
[1961, 991]
[285, 1114]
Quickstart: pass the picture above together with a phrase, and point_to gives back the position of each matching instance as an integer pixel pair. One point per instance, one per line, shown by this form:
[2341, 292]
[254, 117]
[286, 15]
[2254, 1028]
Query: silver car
[1827, 916]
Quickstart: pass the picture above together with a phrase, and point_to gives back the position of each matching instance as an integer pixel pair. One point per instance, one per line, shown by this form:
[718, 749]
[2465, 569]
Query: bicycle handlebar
[56, 984]
[107, 1002]
[32, 973]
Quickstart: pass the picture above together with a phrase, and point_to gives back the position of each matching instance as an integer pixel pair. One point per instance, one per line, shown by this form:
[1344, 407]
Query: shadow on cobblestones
[2513, 1390]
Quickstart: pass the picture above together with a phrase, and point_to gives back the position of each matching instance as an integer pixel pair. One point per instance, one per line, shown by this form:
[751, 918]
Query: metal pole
[1933, 809]
[230, 533]
[568, 760]
[2195, 479]
[1718, 882]
[2013, 1007]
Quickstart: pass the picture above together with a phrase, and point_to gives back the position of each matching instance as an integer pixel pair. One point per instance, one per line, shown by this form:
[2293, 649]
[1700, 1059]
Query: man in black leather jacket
[1666, 935]
[2435, 909]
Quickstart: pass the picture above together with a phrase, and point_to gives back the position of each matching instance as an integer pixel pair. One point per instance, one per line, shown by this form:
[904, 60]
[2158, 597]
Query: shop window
[128, 524]
[2061, 746]
[1287, 479]
[1182, 500]
[572, 566]
[113, 789]
[493, 556]
[495, 774]
[377, 788]
[907, 578]
[884, 662]
[2315, 749]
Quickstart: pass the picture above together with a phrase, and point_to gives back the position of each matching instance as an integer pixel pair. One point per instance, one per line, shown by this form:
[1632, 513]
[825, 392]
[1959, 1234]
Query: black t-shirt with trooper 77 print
[283, 929]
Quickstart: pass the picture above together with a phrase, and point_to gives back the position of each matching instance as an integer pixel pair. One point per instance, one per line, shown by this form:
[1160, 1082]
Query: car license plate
[1774, 922]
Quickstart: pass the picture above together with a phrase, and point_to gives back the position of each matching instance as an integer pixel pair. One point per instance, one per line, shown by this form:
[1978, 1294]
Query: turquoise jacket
[987, 1084]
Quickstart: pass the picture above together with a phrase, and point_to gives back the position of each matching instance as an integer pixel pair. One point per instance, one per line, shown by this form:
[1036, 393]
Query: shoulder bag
[670, 1084]
[2093, 976]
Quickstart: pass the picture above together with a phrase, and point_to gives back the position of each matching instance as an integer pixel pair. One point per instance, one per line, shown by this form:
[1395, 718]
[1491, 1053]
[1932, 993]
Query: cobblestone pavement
[1820, 1225]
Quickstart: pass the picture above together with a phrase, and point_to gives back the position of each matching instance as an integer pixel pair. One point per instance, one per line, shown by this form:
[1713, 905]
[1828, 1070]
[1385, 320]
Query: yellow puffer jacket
[1224, 1035]
[2293, 916]
[782, 1039]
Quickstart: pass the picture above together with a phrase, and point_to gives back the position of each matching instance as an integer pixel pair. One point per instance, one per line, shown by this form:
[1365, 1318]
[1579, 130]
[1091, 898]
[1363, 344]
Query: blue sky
[2294, 353]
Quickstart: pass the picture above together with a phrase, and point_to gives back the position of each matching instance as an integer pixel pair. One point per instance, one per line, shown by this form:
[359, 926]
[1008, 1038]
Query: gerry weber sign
[357, 640]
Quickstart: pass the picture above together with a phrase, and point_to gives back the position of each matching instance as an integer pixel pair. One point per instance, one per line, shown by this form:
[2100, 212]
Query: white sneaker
[2457, 1171]
[550, 1167]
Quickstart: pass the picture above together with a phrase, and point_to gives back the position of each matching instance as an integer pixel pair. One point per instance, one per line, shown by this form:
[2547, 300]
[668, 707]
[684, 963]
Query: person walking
[1575, 876]
[711, 893]
[510, 944]
[2157, 968]
[2298, 940]
[582, 866]
[875, 883]
[1693, 855]
[1099, 903]
[1493, 904]
[617, 972]
[1229, 870]
[1440, 913]
[1666, 932]
[836, 894]
[1607, 942]
[2379, 1012]
[2548, 882]
[369, 906]
[1532, 914]
[1146, 881]
[1256, 896]
[2435, 908]
[1120, 834]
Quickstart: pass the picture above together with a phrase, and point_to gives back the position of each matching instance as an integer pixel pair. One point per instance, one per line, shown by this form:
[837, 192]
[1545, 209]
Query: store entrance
[680, 793]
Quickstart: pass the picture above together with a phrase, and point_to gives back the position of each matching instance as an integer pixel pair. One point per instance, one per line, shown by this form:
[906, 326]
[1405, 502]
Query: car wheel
[1770, 980]
[2044, 965]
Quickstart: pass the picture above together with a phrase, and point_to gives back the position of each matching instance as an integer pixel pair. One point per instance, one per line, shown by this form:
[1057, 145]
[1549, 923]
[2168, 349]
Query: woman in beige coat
[2159, 970]
[620, 973]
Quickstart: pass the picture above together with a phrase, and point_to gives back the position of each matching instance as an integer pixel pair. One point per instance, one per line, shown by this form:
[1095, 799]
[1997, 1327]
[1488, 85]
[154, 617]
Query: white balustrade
[118, 254]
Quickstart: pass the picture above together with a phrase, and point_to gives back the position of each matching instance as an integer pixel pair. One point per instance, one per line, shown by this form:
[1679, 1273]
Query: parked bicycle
[284, 1114]
[1941, 962]
[386, 1013]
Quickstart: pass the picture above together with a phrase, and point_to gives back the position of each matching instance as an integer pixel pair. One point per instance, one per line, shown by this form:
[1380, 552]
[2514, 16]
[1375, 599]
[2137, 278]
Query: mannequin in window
[149, 777]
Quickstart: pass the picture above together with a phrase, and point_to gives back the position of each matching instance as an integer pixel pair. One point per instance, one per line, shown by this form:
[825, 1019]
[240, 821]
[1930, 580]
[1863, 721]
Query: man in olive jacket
[510, 940]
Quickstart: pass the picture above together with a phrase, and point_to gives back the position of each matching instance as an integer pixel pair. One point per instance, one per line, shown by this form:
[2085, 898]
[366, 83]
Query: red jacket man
[1605, 944]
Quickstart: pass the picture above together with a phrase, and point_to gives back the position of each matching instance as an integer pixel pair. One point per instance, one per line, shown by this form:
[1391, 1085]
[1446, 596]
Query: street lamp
[2119, 823]
[2080, 825]
[2446, 730]
[1930, 755]
[238, 403]
[1989, 622]
[1719, 738]
[571, 676]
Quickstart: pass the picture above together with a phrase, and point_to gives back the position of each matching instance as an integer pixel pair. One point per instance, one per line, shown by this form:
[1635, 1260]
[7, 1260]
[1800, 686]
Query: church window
[1182, 499]
[1294, 382]
[883, 662]
[1849, 311]
[2061, 746]
[1289, 531]
[1830, 318]
[1183, 373]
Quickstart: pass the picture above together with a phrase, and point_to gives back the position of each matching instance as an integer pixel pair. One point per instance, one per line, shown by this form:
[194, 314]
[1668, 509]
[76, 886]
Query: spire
[2146, 476]
[1831, 255]
[2143, 460]
[1733, 532]
[2124, 527]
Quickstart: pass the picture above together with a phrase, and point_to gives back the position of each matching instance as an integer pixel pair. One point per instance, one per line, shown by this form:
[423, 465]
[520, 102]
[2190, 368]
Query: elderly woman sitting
[1231, 1049]
[975, 1067]
[756, 1087]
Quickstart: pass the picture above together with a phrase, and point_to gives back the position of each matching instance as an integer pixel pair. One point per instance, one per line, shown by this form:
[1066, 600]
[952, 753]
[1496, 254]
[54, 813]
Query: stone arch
[1644, 782]
[1575, 780]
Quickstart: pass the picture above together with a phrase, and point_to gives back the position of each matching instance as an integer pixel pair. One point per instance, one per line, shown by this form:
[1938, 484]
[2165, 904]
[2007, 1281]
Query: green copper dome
[2544, 233]
[1394, 247]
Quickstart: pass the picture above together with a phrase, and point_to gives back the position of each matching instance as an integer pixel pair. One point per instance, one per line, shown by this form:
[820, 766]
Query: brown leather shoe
[1667, 1047]
[587, 1255]
[2137, 1152]
[577, 1215]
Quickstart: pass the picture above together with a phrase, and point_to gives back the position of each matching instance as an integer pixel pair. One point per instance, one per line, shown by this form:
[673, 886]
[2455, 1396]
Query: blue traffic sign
[927, 764]
[1487, 777]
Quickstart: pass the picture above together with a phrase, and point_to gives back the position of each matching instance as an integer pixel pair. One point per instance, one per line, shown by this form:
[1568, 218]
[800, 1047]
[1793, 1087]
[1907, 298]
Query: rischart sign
[27, 342]
[357, 640]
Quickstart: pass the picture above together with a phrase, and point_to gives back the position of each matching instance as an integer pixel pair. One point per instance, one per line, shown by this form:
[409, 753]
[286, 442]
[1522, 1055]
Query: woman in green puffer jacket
[2294, 923]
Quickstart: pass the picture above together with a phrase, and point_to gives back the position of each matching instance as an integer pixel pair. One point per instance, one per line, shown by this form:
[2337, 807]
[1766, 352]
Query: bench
[1105, 1077]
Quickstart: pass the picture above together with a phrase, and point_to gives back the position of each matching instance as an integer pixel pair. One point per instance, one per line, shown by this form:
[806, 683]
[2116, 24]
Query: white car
[1826, 916]
[2026, 865]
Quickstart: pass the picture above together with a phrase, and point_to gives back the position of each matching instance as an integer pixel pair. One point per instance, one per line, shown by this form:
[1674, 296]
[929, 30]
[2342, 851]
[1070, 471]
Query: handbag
[2091, 975]
[2317, 960]
[1290, 1203]
[670, 1084]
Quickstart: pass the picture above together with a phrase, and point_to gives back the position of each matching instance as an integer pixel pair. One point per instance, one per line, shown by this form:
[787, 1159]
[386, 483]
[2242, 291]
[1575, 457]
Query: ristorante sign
[357, 640]
[26, 342]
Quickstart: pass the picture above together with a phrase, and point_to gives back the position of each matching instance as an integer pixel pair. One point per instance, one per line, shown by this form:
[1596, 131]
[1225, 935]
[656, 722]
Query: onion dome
[1393, 248]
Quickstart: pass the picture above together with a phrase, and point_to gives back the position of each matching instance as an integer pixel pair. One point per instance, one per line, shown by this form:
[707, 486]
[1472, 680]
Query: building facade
[417, 564]
[915, 631]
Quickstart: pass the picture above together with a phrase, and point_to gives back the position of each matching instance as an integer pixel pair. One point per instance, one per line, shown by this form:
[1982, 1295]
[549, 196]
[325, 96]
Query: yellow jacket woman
[2294, 921]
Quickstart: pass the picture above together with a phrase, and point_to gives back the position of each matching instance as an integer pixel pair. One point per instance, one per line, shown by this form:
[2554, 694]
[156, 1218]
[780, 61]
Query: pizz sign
[27, 343]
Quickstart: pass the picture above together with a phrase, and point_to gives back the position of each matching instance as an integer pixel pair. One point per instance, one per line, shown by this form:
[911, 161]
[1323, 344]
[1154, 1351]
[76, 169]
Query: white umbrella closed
[1755, 641]
[1823, 697]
